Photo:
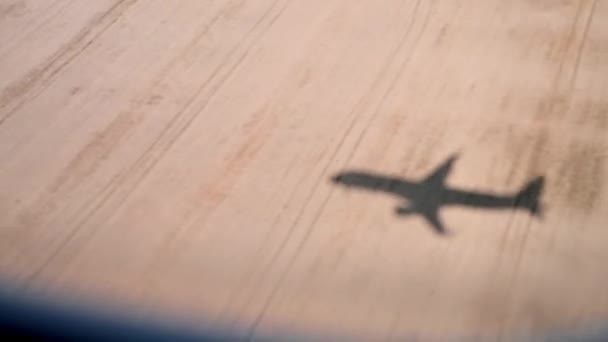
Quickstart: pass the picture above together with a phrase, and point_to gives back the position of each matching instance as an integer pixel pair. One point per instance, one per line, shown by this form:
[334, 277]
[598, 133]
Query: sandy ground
[177, 157]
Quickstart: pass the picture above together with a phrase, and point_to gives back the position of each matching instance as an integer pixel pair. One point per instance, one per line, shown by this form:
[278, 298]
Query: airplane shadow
[427, 196]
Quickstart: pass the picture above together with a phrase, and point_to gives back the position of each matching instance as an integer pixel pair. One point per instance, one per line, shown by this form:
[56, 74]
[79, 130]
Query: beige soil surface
[177, 157]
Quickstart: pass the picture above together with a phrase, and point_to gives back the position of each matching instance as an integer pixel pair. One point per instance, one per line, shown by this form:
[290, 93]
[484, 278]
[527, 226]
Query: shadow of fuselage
[427, 196]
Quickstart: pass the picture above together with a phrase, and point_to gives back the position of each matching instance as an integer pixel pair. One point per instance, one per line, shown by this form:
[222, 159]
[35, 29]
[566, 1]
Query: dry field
[333, 167]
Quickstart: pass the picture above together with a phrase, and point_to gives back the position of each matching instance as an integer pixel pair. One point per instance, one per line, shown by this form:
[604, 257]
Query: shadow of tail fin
[529, 196]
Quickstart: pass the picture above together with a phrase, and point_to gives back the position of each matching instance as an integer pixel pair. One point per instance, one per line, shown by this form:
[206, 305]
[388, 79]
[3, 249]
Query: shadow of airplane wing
[431, 214]
[438, 176]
